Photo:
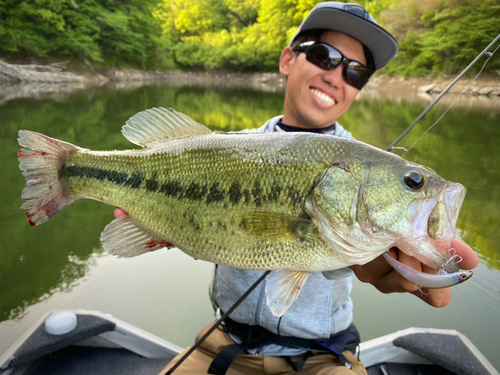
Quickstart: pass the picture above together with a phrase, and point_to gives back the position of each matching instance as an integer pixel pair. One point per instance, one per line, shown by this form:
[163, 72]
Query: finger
[394, 280]
[434, 297]
[373, 270]
[119, 212]
[470, 259]
[380, 274]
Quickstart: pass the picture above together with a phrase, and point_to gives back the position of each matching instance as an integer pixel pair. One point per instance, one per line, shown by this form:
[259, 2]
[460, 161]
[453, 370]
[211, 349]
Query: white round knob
[60, 322]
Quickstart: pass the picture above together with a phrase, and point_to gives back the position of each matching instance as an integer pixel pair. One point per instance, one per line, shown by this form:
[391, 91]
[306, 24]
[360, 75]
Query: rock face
[486, 91]
[427, 88]
[435, 89]
[56, 73]
[10, 73]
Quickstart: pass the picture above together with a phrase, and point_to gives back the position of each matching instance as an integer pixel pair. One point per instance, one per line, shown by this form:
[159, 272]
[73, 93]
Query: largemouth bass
[295, 203]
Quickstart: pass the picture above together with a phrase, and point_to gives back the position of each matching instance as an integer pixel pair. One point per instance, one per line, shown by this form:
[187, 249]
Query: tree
[444, 36]
[93, 31]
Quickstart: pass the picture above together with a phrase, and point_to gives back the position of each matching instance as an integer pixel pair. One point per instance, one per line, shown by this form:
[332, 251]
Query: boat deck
[101, 344]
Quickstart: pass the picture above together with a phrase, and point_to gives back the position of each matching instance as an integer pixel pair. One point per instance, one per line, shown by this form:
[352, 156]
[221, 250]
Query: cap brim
[380, 42]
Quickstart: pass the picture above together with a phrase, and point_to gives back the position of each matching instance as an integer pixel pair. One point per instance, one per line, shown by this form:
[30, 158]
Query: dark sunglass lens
[356, 75]
[318, 55]
[324, 57]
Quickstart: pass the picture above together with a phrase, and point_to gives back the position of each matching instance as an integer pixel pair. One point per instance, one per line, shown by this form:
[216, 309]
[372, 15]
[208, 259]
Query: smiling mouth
[323, 98]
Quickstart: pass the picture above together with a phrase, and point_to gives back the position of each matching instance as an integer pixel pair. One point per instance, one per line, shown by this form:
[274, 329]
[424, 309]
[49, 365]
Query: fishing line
[467, 344]
[218, 323]
[279, 324]
[485, 51]
[245, 295]
[490, 55]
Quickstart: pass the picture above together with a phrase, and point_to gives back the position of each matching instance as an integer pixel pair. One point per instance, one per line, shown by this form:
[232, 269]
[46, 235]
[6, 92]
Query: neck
[289, 128]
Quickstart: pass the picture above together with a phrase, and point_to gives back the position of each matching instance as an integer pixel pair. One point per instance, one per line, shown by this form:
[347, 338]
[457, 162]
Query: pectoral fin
[122, 237]
[275, 225]
[283, 288]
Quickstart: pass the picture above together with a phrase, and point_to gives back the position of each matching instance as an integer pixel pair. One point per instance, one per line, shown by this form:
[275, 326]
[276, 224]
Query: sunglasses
[327, 57]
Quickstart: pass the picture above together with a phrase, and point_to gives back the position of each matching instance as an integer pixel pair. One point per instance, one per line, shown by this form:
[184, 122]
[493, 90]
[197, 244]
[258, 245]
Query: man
[316, 335]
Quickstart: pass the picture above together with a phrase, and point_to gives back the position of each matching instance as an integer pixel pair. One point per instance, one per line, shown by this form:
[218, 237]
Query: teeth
[328, 100]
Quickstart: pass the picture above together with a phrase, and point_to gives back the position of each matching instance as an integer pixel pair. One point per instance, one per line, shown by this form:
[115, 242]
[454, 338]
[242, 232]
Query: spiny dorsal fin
[157, 124]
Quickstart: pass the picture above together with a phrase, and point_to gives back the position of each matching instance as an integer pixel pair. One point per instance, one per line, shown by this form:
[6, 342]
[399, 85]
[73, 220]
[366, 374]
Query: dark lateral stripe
[257, 194]
[152, 184]
[196, 192]
[135, 180]
[120, 178]
[172, 189]
[235, 193]
[215, 194]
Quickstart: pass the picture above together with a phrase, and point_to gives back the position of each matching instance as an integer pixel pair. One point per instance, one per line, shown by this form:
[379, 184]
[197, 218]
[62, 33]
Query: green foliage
[93, 31]
[443, 36]
[437, 37]
[375, 7]
[238, 35]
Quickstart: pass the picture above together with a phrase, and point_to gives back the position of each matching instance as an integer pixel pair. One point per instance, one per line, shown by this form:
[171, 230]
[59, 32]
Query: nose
[334, 77]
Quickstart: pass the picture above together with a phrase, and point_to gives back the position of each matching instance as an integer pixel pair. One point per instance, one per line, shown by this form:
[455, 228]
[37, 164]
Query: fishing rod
[219, 322]
[485, 51]
[264, 275]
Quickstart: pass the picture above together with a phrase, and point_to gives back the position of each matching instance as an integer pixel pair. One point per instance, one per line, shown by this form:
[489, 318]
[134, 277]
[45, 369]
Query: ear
[286, 59]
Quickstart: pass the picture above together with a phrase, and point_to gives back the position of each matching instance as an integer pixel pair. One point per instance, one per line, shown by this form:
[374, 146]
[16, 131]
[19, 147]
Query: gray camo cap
[355, 21]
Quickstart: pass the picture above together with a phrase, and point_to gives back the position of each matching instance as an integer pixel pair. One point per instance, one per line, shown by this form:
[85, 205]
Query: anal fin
[123, 238]
[283, 288]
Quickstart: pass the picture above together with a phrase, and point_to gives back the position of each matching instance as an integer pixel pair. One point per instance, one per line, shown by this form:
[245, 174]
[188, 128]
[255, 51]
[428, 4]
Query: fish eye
[464, 276]
[414, 180]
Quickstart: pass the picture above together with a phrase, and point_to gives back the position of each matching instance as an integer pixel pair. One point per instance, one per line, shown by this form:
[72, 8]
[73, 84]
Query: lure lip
[428, 280]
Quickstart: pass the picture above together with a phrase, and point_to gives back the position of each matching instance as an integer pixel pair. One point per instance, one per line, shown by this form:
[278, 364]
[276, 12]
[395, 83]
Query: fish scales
[211, 182]
[295, 203]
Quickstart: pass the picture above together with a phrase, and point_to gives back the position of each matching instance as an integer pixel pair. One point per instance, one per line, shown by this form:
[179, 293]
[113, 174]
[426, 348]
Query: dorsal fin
[156, 124]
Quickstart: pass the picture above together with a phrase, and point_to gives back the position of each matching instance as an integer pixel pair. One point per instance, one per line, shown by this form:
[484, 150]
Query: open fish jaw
[434, 222]
[443, 219]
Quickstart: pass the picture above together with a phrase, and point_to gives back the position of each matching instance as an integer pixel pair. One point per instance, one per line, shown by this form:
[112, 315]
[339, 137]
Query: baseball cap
[355, 21]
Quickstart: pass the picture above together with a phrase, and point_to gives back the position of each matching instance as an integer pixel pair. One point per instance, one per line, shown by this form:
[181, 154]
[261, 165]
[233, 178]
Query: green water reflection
[37, 262]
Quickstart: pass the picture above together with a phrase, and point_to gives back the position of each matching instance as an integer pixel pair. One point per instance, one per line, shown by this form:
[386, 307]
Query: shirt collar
[288, 128]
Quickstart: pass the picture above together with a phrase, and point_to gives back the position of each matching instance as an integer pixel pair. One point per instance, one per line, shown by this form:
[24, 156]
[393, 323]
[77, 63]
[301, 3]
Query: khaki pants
[246, 364]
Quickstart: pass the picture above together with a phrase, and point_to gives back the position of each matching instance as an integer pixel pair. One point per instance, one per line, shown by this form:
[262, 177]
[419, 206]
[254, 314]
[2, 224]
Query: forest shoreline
[57, 74]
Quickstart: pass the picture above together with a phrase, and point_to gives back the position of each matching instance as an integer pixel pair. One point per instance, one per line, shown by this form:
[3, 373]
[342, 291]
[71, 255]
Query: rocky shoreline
[56, 74]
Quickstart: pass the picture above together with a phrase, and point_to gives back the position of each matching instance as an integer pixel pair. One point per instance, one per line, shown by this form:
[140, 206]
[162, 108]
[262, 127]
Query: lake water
[61, 265]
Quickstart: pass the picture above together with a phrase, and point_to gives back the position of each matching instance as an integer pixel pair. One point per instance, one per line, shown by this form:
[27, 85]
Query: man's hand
[383, 277]
[119, 212]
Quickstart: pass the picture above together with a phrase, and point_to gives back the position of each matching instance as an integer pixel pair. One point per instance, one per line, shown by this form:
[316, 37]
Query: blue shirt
[322, 309]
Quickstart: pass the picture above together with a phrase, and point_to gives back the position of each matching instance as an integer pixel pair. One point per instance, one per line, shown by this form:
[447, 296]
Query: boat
[92, 342]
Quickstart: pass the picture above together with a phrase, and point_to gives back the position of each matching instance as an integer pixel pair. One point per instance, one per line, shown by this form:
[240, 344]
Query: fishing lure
[428, 280]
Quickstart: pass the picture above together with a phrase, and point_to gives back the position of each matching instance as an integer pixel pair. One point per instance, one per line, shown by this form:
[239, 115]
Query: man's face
[316, 98]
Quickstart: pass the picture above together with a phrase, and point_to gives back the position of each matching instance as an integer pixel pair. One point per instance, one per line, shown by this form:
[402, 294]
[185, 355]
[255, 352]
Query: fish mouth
[434, 223]
[443, 218]
[437, 217]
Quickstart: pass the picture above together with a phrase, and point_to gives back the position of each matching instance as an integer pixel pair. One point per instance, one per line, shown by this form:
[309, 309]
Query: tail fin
[41, 161]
